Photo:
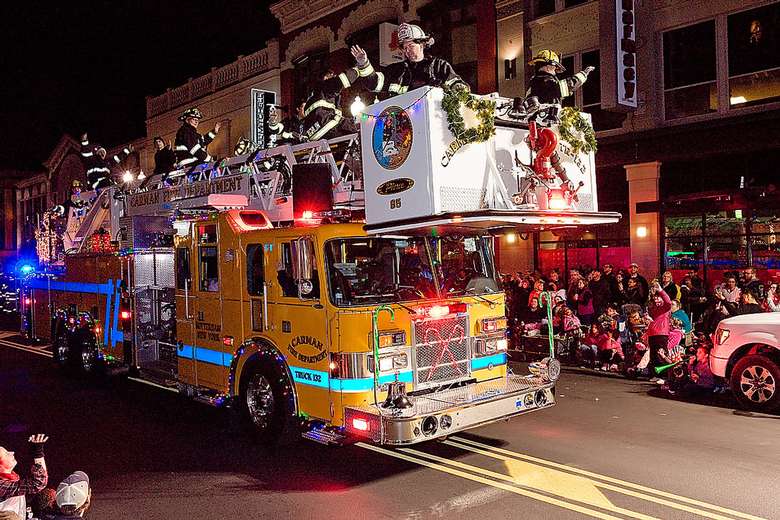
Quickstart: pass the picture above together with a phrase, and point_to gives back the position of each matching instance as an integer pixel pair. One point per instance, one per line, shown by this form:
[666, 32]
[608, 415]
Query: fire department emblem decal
[392, 138]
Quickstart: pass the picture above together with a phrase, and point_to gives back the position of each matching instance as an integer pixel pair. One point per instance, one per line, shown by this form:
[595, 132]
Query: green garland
[452, 102]
[573, 121]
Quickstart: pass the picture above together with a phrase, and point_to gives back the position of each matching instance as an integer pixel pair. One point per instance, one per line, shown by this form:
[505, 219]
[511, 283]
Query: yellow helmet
[548, 57]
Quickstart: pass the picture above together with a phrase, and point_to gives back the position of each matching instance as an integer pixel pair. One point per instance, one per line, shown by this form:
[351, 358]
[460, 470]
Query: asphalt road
[611, 449]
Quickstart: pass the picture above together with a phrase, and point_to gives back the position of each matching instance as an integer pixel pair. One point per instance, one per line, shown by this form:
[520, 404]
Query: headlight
[721, 336]
[395, 362]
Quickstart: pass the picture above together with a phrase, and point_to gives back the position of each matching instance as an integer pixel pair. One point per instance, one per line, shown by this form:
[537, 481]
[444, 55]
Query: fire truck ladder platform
[494, 221]
[259, 180]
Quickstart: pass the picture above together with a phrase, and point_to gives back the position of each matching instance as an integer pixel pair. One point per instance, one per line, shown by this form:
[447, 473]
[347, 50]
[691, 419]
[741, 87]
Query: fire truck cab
[376, 314]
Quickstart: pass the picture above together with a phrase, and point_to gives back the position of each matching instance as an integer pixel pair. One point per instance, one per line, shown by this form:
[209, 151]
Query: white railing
[219, 77]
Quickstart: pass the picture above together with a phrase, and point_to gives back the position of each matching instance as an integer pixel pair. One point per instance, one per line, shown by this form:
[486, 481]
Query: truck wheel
[61, 349]
[755, 381]
[263, 403]
[87, 360]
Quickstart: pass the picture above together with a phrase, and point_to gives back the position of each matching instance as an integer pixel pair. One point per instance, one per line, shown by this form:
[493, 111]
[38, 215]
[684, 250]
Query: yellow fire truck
[375, 313]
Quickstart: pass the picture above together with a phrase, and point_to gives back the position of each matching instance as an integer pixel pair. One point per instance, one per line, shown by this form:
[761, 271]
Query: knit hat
[74, 490]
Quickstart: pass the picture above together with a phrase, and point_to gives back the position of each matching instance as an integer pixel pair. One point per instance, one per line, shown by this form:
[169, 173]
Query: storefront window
[689, 71]
[754, 60]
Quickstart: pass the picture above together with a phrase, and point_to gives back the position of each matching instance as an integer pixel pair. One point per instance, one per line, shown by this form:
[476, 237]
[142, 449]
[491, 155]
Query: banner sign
[260, 99]
[162, 199]
[617, 28]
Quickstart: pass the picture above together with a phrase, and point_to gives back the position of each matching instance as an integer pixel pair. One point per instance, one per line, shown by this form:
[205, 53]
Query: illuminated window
[209, 269]
[754, 60]
[690, 86]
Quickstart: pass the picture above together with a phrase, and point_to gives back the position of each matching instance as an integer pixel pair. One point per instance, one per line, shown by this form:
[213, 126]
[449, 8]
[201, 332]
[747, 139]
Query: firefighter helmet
[190, 112]
[409, 32]
[548, 57]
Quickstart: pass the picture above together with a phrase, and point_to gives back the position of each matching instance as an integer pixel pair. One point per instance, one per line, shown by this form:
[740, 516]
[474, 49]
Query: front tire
[61, 350]
[264, 404]
[755, 382]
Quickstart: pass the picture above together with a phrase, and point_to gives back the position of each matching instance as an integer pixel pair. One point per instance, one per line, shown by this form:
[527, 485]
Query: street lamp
[141, 176]
[127, 178]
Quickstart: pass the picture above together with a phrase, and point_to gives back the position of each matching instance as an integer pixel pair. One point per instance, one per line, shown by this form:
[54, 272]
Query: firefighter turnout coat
[549, 89]
[98, 169]
[191, 147]
[322, 112]
[403, 76]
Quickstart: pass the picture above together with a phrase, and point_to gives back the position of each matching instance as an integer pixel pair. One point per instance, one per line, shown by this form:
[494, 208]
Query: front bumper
[443, 413]
[718, 365]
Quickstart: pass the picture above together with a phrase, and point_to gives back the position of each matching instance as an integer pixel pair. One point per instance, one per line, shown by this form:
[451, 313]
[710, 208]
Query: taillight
[227, 341]
[125, 315]
[27, 300]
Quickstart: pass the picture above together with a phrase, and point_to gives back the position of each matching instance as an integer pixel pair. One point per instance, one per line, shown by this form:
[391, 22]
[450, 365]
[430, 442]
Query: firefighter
[416, 70]
[98, 167]
[192, 147]
[322, 117]
[548, 89]
[73, 202]
[164, 158]
[290, 129]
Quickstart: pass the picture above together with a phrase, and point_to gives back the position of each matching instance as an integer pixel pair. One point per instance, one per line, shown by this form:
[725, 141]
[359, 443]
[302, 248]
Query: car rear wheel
[755, 381]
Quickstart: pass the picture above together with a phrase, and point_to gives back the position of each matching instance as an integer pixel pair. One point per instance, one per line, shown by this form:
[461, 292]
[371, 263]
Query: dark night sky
[86, 65]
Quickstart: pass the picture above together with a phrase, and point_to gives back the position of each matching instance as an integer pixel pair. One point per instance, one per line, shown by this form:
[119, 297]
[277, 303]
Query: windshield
[369, 271]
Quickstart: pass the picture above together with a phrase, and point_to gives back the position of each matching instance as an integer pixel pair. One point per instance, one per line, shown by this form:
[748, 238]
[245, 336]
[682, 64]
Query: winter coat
[164, 161]
[661, 315]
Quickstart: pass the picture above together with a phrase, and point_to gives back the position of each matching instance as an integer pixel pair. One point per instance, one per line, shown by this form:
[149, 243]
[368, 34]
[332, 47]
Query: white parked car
[746, 351]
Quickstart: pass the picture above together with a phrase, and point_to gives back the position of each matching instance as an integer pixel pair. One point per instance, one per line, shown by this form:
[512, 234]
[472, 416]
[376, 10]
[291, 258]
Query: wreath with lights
[576, 130]
[452, 102]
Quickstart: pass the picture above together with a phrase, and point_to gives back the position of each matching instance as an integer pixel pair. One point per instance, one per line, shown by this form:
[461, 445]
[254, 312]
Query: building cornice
[294, 14]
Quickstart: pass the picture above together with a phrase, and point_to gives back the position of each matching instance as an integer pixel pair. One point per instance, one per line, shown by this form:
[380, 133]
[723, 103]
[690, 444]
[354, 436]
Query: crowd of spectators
[620, 321]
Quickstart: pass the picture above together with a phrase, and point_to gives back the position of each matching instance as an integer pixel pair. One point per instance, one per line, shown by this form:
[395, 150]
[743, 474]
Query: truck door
[210, 355]
[185, 321]
[299, 322]
[256, 289]
[155, 310]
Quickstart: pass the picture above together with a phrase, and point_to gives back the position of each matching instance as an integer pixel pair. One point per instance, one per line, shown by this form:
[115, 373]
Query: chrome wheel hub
[757, 384]
[260, 401]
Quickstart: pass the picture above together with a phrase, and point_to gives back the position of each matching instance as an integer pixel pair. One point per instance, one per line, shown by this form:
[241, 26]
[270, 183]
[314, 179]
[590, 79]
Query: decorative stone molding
[507, 8]
[414, 5]
[370, 13]
[567, 31]
[294, 14]
[311, 39]
[220, 77]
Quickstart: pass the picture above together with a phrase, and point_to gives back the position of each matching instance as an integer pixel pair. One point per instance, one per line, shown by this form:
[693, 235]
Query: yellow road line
[500, 476]
[482, 480]
[625, 484]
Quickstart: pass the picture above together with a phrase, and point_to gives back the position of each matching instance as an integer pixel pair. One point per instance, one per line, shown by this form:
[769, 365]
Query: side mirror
[302, 251]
